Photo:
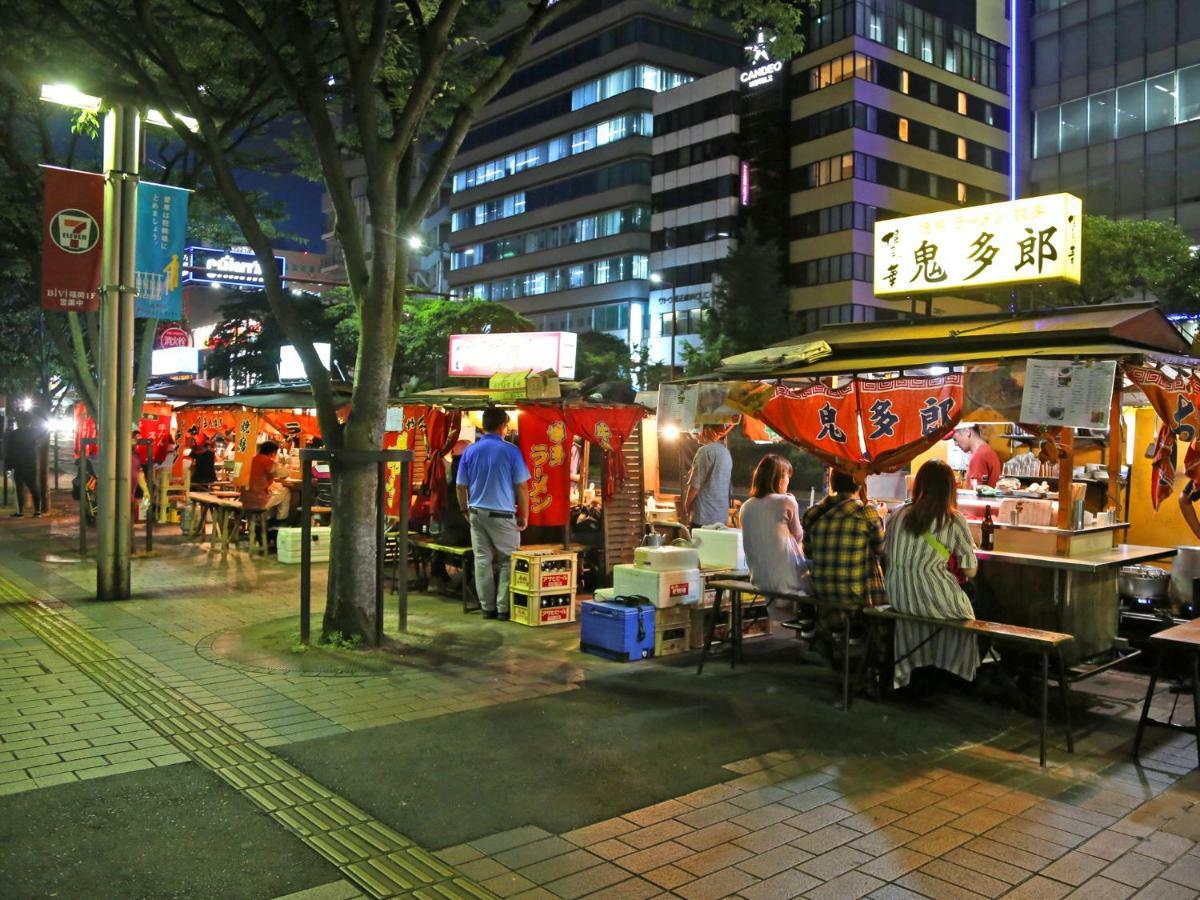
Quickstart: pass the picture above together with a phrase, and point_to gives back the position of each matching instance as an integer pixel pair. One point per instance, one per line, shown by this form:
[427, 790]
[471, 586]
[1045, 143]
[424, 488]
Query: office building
[550, 193]
[1114, 94]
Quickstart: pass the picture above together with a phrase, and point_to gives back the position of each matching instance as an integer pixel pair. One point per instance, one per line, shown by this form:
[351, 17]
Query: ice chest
[720, 548]
[288, 543]
[660, 588]
[665, 559]
[616, 631]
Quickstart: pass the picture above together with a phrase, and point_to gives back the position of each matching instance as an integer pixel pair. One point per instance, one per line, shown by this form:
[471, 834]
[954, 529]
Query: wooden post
[1066, 466]
[1116, 449]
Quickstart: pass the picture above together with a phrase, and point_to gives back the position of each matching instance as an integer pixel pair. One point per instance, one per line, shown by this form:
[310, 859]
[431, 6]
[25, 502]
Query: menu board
[676, 406]
[1068, 392]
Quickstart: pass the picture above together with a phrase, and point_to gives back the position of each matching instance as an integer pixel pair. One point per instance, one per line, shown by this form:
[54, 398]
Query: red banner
[73, 221]
[903, 416]
[606, 427]
[821, 419]
[546, 445]
[1176, 401]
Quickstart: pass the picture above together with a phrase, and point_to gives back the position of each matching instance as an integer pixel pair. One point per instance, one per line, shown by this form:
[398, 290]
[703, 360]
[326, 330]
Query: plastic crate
[542, 572]
[288, 544]
[541, 609]
[670, 639]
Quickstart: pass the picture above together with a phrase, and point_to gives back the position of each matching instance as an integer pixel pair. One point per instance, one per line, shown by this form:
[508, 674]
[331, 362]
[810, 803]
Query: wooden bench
[738, 588]
[224, 511]
[1186, 639]
[421, 548]
[1043, 642]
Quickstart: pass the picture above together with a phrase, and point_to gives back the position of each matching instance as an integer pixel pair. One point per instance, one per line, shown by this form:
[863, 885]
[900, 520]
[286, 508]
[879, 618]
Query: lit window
[962, 148]
[904, 130]
[962, 193]
[903, 82]
[902, 38]
[926, 50]
[962, 103]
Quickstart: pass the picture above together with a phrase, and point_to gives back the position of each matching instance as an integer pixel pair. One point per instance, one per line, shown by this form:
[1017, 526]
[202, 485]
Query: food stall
[846, 394]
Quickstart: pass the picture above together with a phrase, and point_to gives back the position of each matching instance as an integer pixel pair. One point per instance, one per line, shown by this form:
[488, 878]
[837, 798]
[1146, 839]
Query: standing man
[706, 498]
[984, 465]
[23, 455]
[492, 484]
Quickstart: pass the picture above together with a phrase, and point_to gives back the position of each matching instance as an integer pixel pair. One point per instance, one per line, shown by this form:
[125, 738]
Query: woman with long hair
[923, 541]
[771, 532]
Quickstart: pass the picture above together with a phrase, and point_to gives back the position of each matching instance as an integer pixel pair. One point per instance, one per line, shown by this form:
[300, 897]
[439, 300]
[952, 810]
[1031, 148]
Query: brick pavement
[977, 820]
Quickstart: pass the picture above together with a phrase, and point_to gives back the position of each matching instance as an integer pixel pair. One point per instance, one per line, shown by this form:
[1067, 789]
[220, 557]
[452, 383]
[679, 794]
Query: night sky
[302, 199]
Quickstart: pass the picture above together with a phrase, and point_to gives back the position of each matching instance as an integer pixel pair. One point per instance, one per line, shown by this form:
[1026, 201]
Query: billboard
[205, 265]
[1016, 242]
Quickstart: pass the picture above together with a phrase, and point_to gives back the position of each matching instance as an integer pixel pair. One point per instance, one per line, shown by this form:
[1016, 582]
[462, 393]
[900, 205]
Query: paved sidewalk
[499, 761]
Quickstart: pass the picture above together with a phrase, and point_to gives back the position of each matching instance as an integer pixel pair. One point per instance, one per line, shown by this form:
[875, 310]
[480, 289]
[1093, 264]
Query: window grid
[531, 284]
[578, 231]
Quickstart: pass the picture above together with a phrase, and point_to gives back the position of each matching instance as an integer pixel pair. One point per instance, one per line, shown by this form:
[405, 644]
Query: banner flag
[546, 445]
[71, 252]
[158, 263]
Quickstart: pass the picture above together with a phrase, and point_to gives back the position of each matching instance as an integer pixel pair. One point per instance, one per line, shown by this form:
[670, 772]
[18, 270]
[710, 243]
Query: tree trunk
[350, 600]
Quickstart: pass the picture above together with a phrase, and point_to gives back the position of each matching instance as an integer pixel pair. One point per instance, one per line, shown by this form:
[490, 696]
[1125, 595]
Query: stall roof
[1126, 329]
[273, 396]
[180, 390]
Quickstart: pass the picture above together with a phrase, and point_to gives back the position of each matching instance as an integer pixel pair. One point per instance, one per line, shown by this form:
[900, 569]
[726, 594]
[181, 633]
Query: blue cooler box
[616, 631]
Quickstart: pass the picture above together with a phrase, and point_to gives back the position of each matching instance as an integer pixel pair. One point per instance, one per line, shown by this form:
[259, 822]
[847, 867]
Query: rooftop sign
[204, 265]
[1017, 242]
[485, 355]
[761, 69]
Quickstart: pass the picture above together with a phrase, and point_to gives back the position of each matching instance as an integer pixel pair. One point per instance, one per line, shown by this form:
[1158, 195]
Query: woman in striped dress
[921, 538]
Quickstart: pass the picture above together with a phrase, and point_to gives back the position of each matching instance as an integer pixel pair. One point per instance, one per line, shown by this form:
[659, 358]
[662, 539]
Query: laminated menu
[1071, 393]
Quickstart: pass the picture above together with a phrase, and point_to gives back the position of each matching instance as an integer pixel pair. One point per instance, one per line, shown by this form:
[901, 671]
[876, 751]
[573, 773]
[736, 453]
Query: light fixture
[656, 278]
[154, 117]
[65, 95]
[415, 242]
[670, 432]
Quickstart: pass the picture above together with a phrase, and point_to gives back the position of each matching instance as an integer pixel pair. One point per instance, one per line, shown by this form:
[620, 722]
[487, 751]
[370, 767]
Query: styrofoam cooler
[288, 544]
[616, 631]
[660, 588]
[720, 548]
[666, 559]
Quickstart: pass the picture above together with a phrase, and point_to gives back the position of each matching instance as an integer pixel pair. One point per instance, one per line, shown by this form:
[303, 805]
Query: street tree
[750, 305]
[369, 81]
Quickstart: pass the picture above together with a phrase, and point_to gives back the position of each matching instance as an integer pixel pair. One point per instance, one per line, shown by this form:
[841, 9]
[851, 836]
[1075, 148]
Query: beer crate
[672, 630]
[529, 608]
[542, 571]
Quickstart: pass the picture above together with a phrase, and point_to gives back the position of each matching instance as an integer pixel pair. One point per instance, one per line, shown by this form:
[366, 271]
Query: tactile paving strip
[382, 862]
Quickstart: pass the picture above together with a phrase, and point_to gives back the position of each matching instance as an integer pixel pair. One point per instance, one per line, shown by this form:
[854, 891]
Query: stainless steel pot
[1144, 583]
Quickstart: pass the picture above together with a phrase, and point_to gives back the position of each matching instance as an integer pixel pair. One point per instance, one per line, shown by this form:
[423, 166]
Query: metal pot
[1144, 583]
[1184, 571]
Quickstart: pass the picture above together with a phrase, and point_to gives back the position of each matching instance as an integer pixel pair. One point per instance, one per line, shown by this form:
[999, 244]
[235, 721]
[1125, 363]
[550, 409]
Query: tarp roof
[1127, 329]
[274, 396]
[180, 390]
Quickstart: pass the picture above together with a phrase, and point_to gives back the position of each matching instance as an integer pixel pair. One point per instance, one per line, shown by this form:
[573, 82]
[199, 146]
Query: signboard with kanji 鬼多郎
[1037, 239]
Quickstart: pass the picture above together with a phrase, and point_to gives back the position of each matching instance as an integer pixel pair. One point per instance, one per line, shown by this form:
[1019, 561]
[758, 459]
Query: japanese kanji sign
[903, 411]
[1176, 400]
[546, 445]
[71, 252]
[158, 266]
[1032, 240]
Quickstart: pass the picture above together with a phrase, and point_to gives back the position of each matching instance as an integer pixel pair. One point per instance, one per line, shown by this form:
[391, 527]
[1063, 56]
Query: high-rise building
[550, 192]
[1114, 100]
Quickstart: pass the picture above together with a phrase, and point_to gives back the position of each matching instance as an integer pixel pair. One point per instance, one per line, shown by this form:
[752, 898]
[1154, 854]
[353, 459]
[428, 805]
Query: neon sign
[760, 52]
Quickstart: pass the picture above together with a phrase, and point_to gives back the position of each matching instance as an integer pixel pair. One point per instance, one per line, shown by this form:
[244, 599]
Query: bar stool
[256, 530]
[1184, 638]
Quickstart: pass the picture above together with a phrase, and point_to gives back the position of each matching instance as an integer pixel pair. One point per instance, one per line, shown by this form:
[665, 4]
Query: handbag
[944, 552]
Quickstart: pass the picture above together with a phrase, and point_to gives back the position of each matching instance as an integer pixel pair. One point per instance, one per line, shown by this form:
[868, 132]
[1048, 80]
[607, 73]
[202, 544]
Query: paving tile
[708, 861]
[811, 799]
[846, 887]
[767, 838]
[1161, 889]
[1039, 888]
[763, 817]
[895, 892]
[506, 840]
[1164, 847]
[883, 840]
[668, 877]
[629, 889]
[459, 853]
[712, 835]
[939, 841]
[911, 801]
[709, 815]
[587, 881]
[790, 883]
[1108, 844]
[1045, 849]
[1134, 869]
[559, 866]
[481, 869]
[1185, 871]
[1100, 888]
[655, 834]
[654, 857]
[930, 886]
[611, 849]
[1007, 853]
[591, 834]
[1074, 868]
[817, 818]
[985, 865]
[760, 797]
[965, 877]
[895, 863]
[871, 819]
[772, 862]
[656, 813]
[718, 884]
[528, 854]
[834, 863]
[826, 839]
[508, 884]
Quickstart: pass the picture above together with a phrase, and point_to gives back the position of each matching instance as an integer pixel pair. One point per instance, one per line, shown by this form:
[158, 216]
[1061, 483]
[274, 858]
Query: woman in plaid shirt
[843, 543]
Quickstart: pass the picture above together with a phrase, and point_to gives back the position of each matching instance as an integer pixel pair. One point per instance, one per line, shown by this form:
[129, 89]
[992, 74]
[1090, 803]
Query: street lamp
[655, 278]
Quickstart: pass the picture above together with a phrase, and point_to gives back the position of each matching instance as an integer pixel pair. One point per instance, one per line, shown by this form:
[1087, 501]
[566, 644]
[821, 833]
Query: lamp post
[122, 157]
[655, 278]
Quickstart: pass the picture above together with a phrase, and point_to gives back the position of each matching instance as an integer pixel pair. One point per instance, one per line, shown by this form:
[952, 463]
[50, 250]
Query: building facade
[550, 194]
[1114, 99]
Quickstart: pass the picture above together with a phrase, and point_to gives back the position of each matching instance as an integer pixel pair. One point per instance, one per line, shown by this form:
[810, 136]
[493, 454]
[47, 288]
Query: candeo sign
[1021, 241]
[761, 69]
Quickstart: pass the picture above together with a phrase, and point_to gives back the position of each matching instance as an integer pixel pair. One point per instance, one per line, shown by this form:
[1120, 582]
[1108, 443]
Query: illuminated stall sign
[761, 69]
[204, 265]
[1016, 242]
[485, 355]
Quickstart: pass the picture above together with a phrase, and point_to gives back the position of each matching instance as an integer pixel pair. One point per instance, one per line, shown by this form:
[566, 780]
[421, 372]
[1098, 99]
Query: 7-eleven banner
[71, 253]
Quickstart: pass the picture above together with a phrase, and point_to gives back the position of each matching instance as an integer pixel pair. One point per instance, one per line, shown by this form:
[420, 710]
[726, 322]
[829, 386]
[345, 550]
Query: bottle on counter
[987, 530]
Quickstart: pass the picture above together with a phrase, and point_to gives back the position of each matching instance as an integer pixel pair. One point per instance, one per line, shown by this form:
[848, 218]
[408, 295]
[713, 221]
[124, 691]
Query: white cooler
[661, 588]
[666, 559]
[720, 548]
[288, 544]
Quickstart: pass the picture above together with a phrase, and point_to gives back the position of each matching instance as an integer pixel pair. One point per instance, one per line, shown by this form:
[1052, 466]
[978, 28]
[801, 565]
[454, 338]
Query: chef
[984, 465]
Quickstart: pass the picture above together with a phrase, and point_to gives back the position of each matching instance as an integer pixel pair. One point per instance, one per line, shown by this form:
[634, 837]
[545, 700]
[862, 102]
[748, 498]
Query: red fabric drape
[442, 428]
[607, 427]
[290, 424]
[1176, 401]
[818, 418]
[546, 445]
[903, 417]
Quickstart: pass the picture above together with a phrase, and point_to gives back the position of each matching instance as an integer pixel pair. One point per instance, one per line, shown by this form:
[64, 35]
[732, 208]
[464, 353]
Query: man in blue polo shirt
[492, 484]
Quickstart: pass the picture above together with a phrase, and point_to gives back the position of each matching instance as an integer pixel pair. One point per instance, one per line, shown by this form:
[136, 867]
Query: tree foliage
[750, 304]
[600, 357]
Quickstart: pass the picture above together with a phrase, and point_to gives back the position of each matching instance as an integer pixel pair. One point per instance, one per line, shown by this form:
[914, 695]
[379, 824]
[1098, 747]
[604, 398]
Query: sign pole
[122, 144]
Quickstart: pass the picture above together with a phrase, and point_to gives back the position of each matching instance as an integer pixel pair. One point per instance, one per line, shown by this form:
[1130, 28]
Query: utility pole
[122, 156]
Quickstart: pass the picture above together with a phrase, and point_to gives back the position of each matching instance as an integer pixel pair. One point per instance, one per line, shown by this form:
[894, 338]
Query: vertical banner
[158, 264]
[245, 443]
[546, 446]
[71, 252]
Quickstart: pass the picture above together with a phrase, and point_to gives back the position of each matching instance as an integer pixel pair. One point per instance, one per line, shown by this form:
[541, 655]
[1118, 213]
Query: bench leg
[846, 662]
[860, 676]
[1064, 689]
[735, 627]
[1045, 702]
[713, 615]
[1141, 728]
[470, 596]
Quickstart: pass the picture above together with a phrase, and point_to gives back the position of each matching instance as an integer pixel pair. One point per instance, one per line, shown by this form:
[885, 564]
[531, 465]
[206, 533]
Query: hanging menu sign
[1077, 394]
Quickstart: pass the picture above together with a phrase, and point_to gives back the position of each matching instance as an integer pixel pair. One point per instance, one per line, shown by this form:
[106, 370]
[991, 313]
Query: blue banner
[161, 230]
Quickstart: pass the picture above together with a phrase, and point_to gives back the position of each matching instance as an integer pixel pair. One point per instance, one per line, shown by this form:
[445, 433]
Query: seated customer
[843, 543]
[264, 490]
[771, 529]
[921, 540]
